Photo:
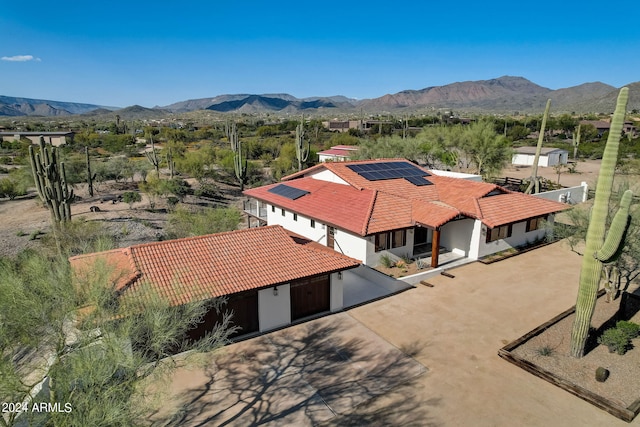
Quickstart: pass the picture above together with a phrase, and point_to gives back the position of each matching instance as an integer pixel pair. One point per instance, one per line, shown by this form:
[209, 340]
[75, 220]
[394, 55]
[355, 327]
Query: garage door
[245, 315]
[310, 296]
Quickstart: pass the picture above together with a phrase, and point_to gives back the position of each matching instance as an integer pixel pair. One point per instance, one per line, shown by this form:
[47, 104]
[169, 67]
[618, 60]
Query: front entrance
[310, 296]
[422, 238]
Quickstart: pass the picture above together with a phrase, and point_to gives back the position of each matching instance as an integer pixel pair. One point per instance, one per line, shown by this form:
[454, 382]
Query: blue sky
[120, 53]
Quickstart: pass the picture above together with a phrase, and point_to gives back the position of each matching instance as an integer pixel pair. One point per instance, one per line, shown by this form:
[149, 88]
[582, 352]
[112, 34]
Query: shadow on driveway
[327, 371]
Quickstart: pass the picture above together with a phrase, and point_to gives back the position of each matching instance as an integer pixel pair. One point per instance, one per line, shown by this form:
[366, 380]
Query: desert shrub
[545, 350]
[387, 261]
[630, 329]
[131, 197]
[616, 339]
[185, 222]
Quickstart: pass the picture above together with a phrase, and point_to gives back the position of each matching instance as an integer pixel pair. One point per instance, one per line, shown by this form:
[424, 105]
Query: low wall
[571, 195]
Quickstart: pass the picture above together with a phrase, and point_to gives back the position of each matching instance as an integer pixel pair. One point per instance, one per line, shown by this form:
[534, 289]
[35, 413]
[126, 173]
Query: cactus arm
[591, 271]
[617, 230]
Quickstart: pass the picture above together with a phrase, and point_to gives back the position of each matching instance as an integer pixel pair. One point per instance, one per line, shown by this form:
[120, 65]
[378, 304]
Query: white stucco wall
[327, 175]
[351, 245]
[527, 160]
[461, 175]
[519, 237]
[455, 236]
[570, 195]
[274, 311]
[337, 293]
[302, 226]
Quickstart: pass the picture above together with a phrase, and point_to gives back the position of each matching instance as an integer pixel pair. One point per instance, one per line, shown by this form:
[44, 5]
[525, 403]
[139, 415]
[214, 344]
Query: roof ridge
[365, 229]
[202, 237]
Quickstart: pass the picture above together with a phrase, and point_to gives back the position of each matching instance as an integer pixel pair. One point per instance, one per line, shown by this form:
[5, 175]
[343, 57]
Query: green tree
[99, 356]
[487, 150]
[12, 187]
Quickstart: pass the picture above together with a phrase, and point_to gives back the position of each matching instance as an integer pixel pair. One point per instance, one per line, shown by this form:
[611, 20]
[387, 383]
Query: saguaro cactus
[90, 177]
[51, 182]
[576, 142]
[171, 163]
[153, 158]
[302, 150]
[239, 161]
[599, 249]
[534, 184]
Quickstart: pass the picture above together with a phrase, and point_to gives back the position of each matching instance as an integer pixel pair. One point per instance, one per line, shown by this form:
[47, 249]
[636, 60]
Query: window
[282, 211]
[382, 241]
[313, 223]
[273, 208]
[295, 216]
[398, 238]
[497, 233]
[394, 239]
[534, 223]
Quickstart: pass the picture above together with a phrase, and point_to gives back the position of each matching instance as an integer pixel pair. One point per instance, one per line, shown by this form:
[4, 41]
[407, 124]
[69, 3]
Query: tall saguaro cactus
[90, 177]
[534, 184]
[302, 150]
[239, 161]
[576, 142]
[51, 182]
[601, 246]
[153, 158]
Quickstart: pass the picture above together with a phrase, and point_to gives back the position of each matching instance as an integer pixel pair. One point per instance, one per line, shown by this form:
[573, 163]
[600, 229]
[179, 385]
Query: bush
[386, 261]
[630, 329]
[131, 197]
[616, 339]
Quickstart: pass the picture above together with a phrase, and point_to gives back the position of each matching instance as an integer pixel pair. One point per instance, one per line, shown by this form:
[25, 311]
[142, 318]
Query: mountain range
[505, 94]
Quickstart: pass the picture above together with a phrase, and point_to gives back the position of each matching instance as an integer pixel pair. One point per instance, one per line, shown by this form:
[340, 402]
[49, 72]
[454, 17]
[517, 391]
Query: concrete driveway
[423, 357]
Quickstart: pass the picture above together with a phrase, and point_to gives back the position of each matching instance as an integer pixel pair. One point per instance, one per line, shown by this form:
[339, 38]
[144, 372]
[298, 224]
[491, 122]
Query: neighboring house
[337, 153]
[525, 156]
[628, 127]
[54, 138]
[366, 209]
[270, 276]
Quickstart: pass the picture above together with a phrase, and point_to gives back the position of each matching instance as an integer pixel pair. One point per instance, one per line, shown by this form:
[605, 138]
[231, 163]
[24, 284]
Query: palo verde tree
[601, 246]
[51, 182]
[534, 183]
[100, 358]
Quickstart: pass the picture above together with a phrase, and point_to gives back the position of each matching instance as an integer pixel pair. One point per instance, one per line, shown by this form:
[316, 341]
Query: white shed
[548, 156]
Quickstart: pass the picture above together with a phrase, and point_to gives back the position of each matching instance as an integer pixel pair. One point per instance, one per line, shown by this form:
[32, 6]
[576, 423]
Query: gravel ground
[581, 372]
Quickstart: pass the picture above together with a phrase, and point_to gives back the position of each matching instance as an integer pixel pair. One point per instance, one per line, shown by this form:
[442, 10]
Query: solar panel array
[288, 192]
[391, 170]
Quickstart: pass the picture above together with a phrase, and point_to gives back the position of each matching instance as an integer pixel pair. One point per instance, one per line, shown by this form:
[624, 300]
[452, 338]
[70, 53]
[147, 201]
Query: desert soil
[581, 372]
[25, 220]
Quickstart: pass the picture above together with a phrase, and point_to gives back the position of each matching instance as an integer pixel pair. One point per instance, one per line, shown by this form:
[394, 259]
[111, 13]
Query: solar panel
[418, 180]
[388, 170]
[288, 192]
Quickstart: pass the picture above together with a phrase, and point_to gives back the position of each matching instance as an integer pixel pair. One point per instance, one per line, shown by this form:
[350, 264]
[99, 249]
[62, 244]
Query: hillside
[505, 94]
[12, 106]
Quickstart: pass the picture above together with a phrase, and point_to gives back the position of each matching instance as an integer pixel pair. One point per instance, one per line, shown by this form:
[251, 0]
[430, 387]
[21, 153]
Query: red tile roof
[204, 267]
[397, 203]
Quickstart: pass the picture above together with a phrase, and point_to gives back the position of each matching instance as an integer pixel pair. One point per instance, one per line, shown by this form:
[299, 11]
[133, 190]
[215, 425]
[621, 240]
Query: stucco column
[435, 248]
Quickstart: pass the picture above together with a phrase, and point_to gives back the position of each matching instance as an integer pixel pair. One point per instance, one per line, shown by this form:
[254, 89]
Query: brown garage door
[245, 315]
[309, 296]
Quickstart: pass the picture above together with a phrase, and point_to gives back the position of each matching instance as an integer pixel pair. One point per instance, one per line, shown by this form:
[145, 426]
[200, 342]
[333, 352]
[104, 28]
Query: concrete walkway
[433, 348]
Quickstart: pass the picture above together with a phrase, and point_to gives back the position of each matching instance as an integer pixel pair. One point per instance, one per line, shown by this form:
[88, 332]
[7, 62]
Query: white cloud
[20, 58]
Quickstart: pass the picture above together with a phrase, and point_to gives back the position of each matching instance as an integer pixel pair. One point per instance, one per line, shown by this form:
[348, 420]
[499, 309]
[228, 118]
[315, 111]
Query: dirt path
[586, 171]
